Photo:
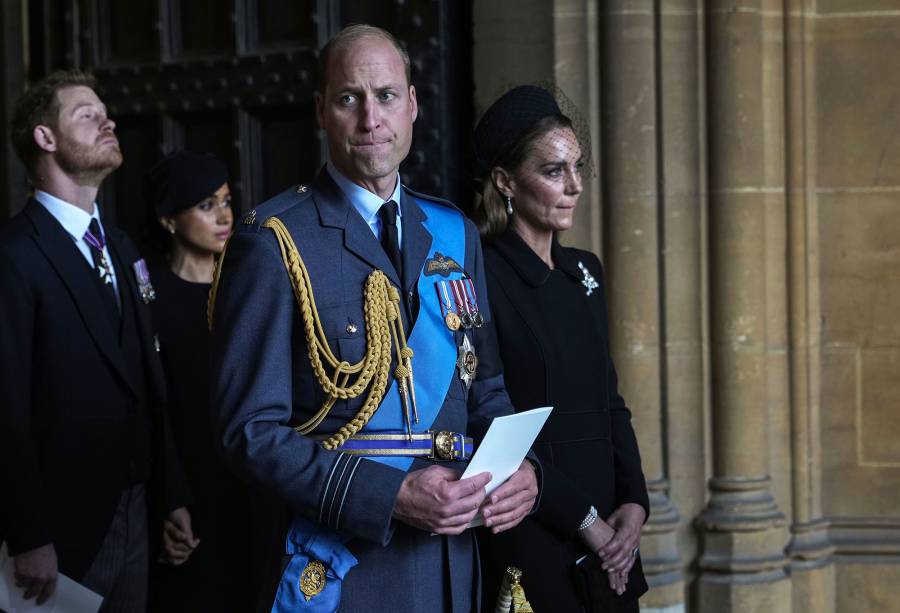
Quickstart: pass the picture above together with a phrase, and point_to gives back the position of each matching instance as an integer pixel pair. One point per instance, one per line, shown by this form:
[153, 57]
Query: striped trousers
[119, 572]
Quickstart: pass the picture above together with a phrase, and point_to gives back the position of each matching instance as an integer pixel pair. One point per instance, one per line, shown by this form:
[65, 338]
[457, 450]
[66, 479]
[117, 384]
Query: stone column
[743, 563]
[631, 199]
[684, 254]
[548, 42]
[810, 550]
[577, 74]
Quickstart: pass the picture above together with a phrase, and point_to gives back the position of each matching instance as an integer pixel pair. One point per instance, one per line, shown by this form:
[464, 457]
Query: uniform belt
[442, 446]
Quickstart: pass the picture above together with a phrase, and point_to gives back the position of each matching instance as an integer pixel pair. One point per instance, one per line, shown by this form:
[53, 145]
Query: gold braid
[382, 317]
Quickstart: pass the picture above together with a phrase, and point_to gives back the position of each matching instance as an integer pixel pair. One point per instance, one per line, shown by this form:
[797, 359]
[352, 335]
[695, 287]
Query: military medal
[466, 321]
[451, 318]
[458, 289]
[589, 281]
[148, 294]
[467, 362]
[104, 270]
[312, 579]
[466, 303]
[472, 303]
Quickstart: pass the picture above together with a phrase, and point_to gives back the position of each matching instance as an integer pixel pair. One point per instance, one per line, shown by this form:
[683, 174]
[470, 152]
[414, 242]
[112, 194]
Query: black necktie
[95, 239]
[390, 239]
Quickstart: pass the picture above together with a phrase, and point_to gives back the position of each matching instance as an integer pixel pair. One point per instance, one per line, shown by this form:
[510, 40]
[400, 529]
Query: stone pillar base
[742, 569]
[767, 592]
[812, 568]
[659, 551]
[678, 608]
[813, 588]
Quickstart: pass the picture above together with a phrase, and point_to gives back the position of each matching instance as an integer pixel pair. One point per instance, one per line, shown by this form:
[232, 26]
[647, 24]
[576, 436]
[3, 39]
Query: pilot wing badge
[441, 265]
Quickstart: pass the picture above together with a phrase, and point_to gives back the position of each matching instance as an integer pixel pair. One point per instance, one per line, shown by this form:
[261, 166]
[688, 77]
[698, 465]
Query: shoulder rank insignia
[250, 218]
[441, 265]
[312, 579]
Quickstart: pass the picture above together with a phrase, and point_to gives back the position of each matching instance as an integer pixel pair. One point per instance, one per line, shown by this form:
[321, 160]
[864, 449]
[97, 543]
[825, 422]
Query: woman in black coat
[191, 205]
[579, 551]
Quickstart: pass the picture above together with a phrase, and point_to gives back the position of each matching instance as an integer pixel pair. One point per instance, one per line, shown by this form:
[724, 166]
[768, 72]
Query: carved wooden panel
[237, 78]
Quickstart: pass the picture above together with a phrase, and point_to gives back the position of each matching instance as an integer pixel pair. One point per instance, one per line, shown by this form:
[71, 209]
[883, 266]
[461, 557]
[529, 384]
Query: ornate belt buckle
[442, 445]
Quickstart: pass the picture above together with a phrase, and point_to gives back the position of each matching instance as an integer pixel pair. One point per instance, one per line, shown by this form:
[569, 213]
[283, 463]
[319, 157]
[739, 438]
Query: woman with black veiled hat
[579, 551]
[191, 203]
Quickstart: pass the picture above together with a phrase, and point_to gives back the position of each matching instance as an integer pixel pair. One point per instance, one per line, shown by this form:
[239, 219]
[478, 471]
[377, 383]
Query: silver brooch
[589, 281]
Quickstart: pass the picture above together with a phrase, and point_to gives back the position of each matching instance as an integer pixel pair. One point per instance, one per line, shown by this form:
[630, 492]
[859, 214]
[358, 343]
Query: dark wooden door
[236, 77]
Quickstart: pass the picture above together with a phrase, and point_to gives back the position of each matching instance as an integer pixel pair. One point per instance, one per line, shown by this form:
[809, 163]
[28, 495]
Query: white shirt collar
[72, 218]
[362, 199]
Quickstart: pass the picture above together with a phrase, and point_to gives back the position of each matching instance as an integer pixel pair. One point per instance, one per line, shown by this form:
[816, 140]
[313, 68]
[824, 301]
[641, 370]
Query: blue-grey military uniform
[264, 385]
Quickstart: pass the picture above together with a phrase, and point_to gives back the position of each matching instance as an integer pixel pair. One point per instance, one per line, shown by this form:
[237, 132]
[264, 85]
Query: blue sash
[434, 363]
[433, 345]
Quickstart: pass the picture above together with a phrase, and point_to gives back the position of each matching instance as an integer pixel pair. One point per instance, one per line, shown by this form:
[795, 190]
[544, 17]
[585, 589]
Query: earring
[171, 229]
[509, 208]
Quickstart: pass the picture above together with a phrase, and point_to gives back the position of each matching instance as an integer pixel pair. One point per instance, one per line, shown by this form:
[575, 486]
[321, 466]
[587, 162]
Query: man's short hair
[39, 105]
[350, 35]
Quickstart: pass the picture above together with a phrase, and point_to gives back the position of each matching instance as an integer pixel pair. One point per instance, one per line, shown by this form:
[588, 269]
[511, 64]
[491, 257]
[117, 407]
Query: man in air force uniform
[348, 322]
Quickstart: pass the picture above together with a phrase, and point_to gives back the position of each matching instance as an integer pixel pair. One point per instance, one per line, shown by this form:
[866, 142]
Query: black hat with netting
[514, 113]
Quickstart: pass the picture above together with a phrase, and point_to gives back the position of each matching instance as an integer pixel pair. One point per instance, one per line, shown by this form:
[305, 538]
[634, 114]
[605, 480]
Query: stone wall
[747, 208]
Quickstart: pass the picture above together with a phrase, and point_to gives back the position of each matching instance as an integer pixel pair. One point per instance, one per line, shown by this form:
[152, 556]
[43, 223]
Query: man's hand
[437, 500]
[512, 501]
[178, 537]
[617, 553]
[36, 571]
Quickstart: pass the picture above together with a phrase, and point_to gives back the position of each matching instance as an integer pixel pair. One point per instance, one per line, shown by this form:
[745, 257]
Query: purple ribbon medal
[148, 294]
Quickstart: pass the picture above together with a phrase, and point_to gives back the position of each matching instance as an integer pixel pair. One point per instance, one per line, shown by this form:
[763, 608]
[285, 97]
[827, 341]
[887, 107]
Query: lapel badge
[467, 362]
[441, 265]
[312, 579]
[148, 294]
[250, 218]
[589, 281]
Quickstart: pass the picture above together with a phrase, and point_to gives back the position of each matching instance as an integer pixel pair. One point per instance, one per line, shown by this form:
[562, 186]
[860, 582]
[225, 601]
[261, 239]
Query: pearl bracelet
[589, 519]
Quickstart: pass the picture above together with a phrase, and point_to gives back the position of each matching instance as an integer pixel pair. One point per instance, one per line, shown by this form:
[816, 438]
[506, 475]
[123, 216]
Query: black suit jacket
[67, 396]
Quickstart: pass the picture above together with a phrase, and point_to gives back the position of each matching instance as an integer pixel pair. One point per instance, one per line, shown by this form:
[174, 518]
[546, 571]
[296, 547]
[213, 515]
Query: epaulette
[289, 198]
[432, 198]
